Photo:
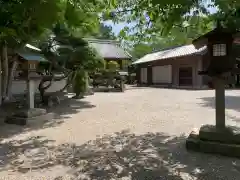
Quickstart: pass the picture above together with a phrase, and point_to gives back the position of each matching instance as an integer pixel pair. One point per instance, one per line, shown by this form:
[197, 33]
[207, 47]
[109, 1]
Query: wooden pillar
[238, 80]
[199, 68]
[149, 75]
[30, 93]
[238, 76]
[1, 81]
[220, 102]
[138, 74]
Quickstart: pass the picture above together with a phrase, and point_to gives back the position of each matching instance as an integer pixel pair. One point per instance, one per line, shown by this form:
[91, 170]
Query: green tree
[25, 21]
[73, 57]
[105, 32]
[141, 49]
[153, 16]
[20, 22]
[113, 66]
[177, 36]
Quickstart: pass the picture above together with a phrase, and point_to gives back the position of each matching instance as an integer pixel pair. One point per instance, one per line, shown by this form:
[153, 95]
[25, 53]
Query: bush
[113, 66]
[79, 83]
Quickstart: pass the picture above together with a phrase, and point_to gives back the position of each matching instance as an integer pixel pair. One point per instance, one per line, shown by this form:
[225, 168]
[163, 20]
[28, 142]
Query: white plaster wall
[20, 86]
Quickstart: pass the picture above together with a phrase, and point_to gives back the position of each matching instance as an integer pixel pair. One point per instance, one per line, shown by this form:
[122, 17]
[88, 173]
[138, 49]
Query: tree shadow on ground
[231, 102]
[70, 106]
[124, 156]
[168, 87]
[107, 90]
[55, 117]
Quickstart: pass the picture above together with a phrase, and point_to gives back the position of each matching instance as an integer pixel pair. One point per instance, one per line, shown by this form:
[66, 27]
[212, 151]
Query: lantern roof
[31, 53]
[32, 57]
[31, 47]
[219, 31]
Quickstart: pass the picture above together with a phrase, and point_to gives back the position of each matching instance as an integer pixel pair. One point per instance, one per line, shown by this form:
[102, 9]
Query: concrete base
[22, 117]
[210, 140]
[229, 135]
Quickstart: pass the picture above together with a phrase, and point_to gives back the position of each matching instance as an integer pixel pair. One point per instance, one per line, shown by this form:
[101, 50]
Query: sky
[118, 27]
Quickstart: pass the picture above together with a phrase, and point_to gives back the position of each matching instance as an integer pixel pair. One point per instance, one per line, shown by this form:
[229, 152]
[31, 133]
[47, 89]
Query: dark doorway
[185, 76]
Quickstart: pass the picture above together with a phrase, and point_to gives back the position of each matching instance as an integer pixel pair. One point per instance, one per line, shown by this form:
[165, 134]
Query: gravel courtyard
[138, 135]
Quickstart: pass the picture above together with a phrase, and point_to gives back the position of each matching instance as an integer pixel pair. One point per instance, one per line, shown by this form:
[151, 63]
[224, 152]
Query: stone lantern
[29, 68]
[219, 138]
[219, 45]
[29, 62]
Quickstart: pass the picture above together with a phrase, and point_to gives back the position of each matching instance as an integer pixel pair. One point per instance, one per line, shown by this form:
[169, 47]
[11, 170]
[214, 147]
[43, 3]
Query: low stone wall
[20, 86]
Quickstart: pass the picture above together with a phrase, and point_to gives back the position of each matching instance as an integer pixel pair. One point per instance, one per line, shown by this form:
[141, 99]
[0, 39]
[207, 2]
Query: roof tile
[109, 48]
[171, 53]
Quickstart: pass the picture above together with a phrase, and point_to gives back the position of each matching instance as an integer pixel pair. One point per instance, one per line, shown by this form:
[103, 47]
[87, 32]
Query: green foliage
[75, 55]
[108, 78]
[78, 81]
[104, 32]
[178, 35]
[150, 17]
[83, 16]
[139, 50]
[52, 23]
[24, 20]
[80, 55]
[113, 66]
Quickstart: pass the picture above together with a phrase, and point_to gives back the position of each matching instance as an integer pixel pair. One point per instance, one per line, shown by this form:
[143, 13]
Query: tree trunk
[1, 80]
[5, 71]
[42, 89]
[88, 89]
[11, 77]
[86, 81]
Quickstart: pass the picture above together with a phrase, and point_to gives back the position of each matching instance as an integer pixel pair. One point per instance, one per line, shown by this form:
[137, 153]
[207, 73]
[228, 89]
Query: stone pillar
[30, 93]
[220, 102]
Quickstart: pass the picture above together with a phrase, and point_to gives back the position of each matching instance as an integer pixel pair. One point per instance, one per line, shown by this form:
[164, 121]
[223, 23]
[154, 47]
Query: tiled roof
[32, 47]
[32, 57]
[171, 53]
[31, 53]
[109, 48]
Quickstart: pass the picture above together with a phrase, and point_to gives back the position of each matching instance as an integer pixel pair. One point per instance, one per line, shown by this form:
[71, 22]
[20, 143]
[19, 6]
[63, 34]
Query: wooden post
[30, 93]
[0, 81]
[220, 102]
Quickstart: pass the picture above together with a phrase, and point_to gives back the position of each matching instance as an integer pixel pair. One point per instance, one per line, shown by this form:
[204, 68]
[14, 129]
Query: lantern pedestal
[30, 93]
[220, 102]
[216, 139]
[29, 116]
[210, 139]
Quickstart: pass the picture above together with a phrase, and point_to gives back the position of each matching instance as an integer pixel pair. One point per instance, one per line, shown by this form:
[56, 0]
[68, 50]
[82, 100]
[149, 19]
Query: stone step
[228, 135]
[29, 117]
[194, 143]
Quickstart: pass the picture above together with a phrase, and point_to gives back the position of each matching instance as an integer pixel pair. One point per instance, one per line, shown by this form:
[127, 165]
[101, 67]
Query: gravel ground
[138, 135]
